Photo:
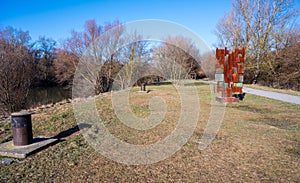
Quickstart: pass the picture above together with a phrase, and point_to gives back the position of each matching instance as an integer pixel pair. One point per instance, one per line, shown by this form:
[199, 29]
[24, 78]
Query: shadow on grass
[160, 83]
[70, 131]
[196, 84]
[249, 108]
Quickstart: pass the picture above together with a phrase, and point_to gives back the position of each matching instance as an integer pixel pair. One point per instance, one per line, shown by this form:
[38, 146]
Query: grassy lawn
[291, 92]
[259, 140]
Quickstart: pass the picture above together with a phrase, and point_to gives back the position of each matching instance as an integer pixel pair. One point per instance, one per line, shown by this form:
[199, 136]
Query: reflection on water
[41, 96]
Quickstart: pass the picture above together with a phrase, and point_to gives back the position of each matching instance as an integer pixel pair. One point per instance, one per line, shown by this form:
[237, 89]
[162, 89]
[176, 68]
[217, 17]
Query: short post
[22, 128]
[143, 87]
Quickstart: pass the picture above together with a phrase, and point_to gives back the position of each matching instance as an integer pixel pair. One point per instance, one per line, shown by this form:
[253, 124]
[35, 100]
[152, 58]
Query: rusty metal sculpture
[229, 74]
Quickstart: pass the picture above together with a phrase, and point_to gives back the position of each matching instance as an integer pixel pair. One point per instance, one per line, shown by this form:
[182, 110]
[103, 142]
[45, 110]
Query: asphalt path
[273, 95]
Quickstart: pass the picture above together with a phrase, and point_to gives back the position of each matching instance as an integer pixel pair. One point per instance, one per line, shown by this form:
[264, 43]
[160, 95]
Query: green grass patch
[56, 117]
[5, 131]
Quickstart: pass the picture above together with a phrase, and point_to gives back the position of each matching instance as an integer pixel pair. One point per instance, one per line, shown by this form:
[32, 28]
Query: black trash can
[22, 128]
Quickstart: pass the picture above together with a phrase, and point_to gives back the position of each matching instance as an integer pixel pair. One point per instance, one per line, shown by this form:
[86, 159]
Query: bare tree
[176, 57]
[286, 64]
[258, 25]
[65, 66]
[108, 44]
[73, 49]
[16, 68]
[133, 57]
[208, 64]
[95, 49]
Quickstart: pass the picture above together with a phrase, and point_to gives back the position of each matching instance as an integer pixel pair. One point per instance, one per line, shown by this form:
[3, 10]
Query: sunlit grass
[258, 141]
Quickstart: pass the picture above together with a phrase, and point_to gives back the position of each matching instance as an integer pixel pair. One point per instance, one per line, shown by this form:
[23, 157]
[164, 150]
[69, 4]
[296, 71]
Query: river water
[47, 95]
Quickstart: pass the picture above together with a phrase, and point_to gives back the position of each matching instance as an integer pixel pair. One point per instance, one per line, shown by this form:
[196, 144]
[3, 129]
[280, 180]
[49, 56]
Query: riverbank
[39, 109]
[40, 98]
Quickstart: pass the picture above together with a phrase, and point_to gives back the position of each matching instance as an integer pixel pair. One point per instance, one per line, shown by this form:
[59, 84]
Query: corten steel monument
[229, 74]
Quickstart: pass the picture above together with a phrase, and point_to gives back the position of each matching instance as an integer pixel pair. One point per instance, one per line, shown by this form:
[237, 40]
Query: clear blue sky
[56, 18]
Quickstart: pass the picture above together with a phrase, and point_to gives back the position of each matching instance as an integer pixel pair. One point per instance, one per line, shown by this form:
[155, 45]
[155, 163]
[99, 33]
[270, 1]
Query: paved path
[273, 95]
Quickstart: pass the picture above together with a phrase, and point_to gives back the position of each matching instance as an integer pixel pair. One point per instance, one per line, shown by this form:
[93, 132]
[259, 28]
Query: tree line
[111, 57]
[108, 55]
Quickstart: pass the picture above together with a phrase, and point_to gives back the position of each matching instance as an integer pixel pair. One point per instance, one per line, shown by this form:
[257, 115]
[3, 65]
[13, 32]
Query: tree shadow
[196, 84]
[160, 83]
[71, 131]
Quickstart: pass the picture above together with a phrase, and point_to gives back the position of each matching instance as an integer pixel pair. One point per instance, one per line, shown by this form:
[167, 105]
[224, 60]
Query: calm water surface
[47, 95]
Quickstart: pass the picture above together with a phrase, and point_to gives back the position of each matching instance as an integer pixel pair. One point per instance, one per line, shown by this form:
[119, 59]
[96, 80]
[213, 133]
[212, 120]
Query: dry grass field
[259, 141]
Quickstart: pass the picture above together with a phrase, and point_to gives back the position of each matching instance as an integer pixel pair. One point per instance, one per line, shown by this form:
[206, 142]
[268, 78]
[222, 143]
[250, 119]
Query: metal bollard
[143, 87]
[22, 128]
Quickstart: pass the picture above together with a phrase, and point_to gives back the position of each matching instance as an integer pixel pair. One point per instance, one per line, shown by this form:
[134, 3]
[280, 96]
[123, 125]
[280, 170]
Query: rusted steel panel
[229, 72]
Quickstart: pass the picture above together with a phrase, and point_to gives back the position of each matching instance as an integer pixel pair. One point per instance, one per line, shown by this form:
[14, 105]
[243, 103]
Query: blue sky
[56, 18]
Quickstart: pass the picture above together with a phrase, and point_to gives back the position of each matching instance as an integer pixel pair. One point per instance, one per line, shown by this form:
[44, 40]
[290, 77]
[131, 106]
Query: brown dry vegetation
[259, 140]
